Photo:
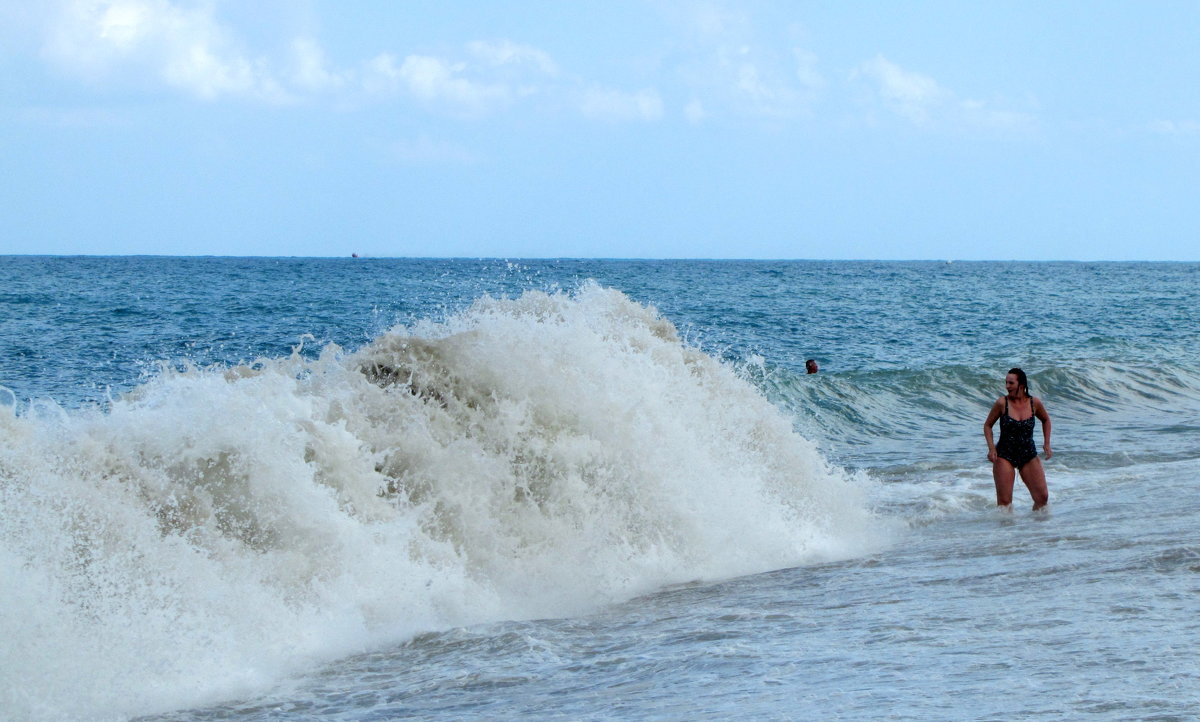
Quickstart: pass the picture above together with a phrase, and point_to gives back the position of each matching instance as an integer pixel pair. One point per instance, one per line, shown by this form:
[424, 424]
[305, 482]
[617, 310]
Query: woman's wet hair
[1022, 380]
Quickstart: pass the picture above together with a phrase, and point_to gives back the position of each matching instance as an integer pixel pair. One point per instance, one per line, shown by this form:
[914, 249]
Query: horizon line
[692, 259]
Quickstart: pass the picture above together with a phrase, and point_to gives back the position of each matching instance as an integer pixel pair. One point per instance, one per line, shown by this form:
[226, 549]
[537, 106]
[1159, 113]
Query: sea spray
[218, 529]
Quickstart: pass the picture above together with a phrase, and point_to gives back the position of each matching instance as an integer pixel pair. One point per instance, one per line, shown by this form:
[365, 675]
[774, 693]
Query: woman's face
[1011, 384]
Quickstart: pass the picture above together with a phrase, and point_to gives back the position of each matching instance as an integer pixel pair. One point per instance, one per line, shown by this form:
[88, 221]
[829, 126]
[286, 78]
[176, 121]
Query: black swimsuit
[1016, 438]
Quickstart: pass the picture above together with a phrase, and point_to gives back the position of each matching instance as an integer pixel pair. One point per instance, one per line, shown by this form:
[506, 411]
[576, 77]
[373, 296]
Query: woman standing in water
[1016, 450]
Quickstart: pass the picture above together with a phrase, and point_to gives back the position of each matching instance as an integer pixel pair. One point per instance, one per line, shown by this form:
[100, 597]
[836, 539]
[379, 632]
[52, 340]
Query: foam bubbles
[219, 529]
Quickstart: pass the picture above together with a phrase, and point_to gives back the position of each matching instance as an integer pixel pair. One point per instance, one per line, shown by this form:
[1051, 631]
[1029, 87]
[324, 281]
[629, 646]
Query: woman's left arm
[1044, 417]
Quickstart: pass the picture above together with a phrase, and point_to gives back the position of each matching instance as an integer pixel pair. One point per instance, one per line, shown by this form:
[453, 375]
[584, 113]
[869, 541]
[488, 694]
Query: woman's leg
[1034, 476]
[1002, 474]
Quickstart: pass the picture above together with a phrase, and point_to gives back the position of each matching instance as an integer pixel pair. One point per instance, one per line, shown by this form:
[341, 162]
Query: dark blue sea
[375, 489]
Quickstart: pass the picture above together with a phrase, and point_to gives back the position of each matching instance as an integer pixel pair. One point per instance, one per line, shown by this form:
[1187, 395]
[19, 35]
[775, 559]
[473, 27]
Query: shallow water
[977, 615]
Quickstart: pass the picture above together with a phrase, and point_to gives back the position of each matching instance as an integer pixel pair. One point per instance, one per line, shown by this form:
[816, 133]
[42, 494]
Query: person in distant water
[811, 366]
[1016, 451]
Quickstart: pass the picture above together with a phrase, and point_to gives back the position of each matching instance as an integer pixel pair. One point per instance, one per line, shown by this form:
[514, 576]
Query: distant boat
[354, 255]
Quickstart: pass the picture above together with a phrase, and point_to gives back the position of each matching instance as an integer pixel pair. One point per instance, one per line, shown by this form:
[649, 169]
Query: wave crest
[219, 528]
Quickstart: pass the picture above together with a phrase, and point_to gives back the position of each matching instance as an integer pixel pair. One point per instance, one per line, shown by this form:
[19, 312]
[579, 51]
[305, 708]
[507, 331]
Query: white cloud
[498, 73]
[506, 52]
[609, 104]
[728, 67]
[712, 22]
[309, 67]
[806, 70]
[760, 86]
[923, 101]
[436, 82]
[185, 47]
[981, 115]
[765, 95]
[911, 95]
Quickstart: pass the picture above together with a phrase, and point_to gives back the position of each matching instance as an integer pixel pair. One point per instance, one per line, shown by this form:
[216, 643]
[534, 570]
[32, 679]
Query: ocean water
[370, 489]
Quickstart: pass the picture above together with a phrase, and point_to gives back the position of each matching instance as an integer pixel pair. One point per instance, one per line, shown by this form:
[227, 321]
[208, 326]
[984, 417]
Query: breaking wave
[219, 529]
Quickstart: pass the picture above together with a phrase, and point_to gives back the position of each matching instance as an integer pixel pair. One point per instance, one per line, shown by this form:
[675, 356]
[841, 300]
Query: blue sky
[624, 128]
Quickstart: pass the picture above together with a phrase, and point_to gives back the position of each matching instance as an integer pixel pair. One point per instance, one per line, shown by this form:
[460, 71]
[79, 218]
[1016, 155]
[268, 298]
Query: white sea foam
[219, 529]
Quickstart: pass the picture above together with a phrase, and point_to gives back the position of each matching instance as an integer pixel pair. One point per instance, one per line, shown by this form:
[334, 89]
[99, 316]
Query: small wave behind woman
[219, 529]
[895, 416]
[916, 430]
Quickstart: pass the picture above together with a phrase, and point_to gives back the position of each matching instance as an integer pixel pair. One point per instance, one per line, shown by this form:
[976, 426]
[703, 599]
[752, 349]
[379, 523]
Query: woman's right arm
[987, 429]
